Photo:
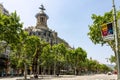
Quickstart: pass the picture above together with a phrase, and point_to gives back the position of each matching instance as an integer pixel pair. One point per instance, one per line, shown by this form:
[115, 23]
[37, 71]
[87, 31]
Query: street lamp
[116, 41]
[107, 59]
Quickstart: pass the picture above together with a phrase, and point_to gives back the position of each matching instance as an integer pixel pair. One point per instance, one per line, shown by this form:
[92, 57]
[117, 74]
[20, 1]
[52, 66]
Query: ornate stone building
[4, 50]
[3, 10]
[42, 30]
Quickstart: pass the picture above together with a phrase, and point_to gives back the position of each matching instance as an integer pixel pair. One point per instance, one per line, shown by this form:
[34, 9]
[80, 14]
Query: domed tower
[41, 19]
[3, 10]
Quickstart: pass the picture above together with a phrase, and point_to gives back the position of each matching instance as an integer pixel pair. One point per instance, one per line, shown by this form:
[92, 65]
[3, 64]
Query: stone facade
[3, 10]
[4, 50]
[41, 29]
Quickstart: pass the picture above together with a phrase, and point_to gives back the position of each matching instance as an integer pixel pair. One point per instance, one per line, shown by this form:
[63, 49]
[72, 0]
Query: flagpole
[116, 41]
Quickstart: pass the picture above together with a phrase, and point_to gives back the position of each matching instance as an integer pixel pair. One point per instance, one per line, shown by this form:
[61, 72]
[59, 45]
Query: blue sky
[70, 18]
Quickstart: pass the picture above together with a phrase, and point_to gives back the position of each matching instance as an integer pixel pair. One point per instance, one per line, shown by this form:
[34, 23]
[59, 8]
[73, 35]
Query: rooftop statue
[42, 8]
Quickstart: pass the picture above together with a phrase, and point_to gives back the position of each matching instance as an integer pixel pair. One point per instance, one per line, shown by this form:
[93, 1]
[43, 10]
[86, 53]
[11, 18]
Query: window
[42, 19]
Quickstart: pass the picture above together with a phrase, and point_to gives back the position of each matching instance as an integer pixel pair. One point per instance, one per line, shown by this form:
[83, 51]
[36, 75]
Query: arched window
[41, 19]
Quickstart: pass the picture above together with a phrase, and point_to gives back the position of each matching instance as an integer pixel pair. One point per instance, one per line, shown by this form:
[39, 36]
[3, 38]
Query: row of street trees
[30, 53]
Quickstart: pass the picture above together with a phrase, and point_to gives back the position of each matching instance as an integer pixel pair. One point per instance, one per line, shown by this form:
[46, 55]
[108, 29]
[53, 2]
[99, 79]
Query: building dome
[41, 19]
[41, 13]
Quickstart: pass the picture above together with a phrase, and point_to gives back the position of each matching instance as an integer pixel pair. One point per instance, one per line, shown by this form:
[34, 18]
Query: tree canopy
[95, 31]
[10, 28]
[30, 51]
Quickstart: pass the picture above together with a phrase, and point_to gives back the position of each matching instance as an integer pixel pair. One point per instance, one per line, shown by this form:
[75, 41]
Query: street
[71, 77]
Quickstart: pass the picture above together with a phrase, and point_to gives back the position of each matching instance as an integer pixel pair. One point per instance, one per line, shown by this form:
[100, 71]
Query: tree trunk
[38, 68]
[25, 71]
[48, 70]
[75, 71]
[55, 68]
[44, 70]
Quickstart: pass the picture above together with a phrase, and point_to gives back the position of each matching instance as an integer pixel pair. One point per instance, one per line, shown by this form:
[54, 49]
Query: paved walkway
[67, 77]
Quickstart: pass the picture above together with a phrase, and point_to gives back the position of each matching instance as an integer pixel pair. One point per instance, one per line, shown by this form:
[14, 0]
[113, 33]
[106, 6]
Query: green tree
[17, 56]
[10, 28]
[47, 59]
[82, 57]
[94, 29]
[27, 52]
[93, 66]
[69, 59]
[112, 59]
[79, 56]
[59, 51]
[95, 32]
[33, 49]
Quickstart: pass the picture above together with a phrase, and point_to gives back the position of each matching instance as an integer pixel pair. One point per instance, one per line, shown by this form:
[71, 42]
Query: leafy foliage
[95, 32]
[10, 28]
[31, 50]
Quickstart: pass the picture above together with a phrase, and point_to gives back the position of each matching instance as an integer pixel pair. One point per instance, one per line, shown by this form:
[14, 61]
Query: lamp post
[107, 59]
[116, 41]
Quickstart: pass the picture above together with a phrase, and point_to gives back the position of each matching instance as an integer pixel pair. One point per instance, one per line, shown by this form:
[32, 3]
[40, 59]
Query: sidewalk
[67, 77]
[41, 77]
